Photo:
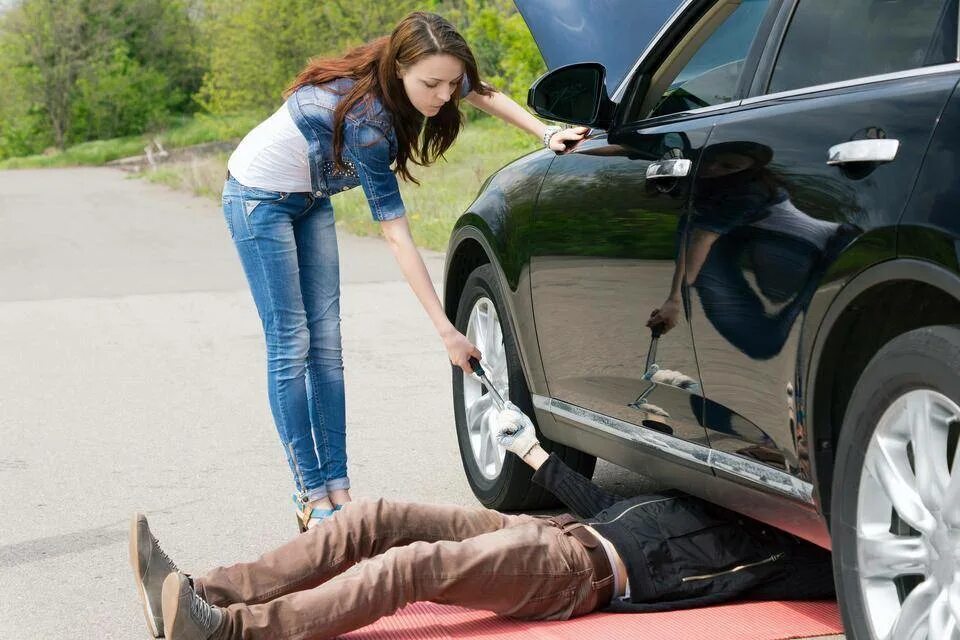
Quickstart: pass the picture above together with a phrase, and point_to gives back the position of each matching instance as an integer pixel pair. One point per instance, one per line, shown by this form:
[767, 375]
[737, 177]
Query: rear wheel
[896, 492]
[499, 480]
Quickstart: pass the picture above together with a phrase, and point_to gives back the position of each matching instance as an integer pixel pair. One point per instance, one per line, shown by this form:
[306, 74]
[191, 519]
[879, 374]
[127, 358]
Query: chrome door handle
[662, 169]
[872, 150]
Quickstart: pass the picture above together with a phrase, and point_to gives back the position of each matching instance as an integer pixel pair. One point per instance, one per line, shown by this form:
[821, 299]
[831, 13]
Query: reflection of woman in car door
[740, 211]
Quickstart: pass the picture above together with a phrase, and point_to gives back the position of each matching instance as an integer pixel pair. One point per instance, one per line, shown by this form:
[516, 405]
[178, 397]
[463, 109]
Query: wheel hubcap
[483, 330]
[908, 521]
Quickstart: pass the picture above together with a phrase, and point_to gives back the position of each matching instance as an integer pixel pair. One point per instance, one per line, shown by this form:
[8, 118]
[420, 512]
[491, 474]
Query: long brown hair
[373, 68]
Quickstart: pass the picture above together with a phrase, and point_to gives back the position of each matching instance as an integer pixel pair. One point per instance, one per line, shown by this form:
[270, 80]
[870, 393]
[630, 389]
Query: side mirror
[575, 94]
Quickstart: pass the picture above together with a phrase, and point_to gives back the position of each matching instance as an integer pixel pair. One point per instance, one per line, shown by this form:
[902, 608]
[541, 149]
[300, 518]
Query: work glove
[515, 431]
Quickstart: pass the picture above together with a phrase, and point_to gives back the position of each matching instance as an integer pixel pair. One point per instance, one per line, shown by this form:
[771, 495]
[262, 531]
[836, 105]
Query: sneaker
[150, 566]
[187, 616]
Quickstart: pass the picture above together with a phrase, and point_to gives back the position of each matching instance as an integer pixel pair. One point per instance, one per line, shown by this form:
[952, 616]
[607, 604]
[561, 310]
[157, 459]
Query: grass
[199, 176]
[445, 190]
[183, 132]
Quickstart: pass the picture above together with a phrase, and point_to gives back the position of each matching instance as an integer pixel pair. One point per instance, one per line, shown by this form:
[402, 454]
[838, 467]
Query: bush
[88, 69]
[117, 96]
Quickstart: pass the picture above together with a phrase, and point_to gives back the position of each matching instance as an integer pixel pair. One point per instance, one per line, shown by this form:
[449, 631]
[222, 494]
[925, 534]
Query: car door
[796, 190]
[608, 229]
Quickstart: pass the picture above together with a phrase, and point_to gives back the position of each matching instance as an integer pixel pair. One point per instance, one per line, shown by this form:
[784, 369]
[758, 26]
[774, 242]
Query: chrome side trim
[657, 121]
[744, 468]
[618, 94]
[647, 437]
[768, 477]
[713, 107]
[856, 82]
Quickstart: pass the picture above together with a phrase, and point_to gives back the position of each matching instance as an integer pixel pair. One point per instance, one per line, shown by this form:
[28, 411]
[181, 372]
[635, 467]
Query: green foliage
[501, 42]
[204, 127]
[74, 71]
[248, 44]
[257, 47]
[117, 96]
[185, 131]
[95, 152]
[23, 126]
[78, 70]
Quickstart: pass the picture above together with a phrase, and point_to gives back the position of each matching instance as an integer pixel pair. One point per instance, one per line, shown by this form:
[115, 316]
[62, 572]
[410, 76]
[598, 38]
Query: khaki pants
[374, 557]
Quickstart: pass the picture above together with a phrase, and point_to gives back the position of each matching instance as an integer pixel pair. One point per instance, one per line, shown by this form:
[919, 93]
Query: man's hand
[515, 431]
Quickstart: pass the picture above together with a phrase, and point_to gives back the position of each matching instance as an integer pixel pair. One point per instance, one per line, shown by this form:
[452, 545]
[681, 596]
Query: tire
[881, 586]
[508, 486]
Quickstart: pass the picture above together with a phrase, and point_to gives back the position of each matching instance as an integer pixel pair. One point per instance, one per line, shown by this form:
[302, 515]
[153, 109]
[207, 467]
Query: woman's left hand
[565, 139]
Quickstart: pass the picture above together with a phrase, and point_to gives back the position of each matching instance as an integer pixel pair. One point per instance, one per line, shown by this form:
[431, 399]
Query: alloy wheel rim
[908, 520]
[484, 331]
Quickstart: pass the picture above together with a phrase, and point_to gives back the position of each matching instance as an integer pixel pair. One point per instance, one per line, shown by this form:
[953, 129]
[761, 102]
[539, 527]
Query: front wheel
[500, 480]
[896, 492]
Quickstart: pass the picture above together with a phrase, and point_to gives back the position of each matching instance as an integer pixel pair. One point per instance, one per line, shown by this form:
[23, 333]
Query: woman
[345, 121]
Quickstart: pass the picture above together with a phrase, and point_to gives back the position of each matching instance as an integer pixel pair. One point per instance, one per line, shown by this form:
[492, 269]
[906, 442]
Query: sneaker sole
[148, 614]
[170, 603]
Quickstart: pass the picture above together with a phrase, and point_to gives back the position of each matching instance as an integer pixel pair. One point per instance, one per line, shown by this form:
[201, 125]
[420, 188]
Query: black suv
[744, 283]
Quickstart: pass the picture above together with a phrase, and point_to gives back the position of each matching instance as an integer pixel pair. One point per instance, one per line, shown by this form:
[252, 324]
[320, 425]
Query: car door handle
[879, 150]
[676, 168]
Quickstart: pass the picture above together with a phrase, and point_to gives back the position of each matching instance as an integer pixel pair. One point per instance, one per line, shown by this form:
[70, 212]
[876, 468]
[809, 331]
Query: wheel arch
[877, 305]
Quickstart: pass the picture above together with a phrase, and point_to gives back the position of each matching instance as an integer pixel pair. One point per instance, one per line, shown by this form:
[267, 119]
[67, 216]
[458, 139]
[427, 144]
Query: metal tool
[651, 368]
[655, 332]
[480, 373]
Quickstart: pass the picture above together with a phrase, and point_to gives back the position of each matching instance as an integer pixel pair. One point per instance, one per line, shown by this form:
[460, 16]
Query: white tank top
[273, 156]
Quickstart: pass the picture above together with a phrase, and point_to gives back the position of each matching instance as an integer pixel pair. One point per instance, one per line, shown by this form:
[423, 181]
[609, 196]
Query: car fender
[495, 230]
[820, 427]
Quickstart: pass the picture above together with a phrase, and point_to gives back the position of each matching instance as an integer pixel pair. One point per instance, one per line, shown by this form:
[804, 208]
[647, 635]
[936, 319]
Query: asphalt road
[132, 376]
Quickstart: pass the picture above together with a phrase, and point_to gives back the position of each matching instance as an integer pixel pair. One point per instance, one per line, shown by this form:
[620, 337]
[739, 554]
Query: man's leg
[362, 529]
[531, 570]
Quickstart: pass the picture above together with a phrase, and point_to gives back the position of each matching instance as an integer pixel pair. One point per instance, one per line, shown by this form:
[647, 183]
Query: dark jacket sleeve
[579, 494]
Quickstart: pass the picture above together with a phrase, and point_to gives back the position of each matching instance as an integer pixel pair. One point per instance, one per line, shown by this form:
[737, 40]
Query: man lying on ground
[649, 553]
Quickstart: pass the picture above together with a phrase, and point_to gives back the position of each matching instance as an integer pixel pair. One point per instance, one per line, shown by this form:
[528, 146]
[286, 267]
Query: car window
[829, 41]
[705, 68]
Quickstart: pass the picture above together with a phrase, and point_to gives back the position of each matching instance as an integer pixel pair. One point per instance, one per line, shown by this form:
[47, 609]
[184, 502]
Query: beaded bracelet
[548, 133]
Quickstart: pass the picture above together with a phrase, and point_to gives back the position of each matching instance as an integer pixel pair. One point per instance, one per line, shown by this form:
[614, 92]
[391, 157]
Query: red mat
[742, 621]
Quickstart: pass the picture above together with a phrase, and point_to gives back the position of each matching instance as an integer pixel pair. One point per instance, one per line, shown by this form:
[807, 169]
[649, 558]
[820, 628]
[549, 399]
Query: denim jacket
[369, 145]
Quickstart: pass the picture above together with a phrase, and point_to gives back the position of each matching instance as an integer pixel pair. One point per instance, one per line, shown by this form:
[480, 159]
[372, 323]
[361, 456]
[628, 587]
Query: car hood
[612, 32]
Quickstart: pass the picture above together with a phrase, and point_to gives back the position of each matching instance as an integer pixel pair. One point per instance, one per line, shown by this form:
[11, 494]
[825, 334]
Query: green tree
[161, 36]
[256, 47]
[67, 61]
[506, 52]
[74, 70]
[117, 96]
[48, 43]
[23, 126]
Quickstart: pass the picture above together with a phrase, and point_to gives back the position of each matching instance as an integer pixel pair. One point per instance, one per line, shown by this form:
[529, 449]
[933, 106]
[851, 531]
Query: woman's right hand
[460, 350]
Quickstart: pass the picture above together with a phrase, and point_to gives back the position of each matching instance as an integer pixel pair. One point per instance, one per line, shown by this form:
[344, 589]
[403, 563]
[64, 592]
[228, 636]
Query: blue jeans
[288, 246]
